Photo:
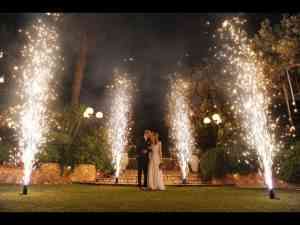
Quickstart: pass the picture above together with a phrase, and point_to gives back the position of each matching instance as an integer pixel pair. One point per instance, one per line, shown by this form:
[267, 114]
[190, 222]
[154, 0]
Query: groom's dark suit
[143, 149]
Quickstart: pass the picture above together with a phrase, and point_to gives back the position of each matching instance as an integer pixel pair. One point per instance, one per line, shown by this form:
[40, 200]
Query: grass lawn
[87, 198]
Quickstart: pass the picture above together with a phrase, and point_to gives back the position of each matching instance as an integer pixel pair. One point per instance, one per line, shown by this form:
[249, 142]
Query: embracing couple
[149, 158]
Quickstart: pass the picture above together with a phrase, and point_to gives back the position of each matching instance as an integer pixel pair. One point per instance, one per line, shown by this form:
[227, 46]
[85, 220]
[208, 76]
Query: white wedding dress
[155, 175]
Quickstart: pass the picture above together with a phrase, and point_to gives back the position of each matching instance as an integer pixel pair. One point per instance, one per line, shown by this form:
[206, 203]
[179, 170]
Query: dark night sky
[157, 42]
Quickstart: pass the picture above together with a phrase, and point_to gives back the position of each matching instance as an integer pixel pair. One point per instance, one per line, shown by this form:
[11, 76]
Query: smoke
[148, 47]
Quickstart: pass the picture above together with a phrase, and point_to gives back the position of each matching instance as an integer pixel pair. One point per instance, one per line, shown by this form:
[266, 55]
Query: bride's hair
[155, 139]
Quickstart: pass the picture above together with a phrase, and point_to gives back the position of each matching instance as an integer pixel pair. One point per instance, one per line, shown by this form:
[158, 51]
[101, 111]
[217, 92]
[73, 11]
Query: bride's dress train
[155, 175]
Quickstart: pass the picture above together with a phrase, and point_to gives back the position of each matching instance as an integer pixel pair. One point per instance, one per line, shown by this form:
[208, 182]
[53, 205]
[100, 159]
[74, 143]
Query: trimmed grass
[88, 198]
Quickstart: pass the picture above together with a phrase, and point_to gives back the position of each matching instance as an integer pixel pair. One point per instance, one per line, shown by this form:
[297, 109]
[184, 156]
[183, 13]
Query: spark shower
[181, 127]
[36, 76]
[248, 93]
[120, 116]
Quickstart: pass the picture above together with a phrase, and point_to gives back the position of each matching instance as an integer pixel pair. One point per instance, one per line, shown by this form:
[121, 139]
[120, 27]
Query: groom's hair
[147, 130]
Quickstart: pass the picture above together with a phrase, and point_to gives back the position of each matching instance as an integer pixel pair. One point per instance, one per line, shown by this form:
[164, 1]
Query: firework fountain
[120, 114]
[181, 128]
[35, 76]
[248, 91]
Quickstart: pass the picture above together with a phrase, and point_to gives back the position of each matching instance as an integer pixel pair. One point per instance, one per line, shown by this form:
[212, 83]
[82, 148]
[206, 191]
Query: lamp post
[212, 122]
[89, 112]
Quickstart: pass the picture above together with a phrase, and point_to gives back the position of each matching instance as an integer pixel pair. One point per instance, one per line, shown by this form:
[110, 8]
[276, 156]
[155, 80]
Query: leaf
[62, 138]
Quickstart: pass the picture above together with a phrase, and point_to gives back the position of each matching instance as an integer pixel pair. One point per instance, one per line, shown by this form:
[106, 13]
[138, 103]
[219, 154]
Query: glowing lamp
[207, 120]
[292, 128]
[88, 112]
[99, 115]
[225, 23]
[2, 80]
[216, 117]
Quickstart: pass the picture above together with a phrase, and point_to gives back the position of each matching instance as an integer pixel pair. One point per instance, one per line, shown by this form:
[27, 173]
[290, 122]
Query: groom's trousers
[142, 169]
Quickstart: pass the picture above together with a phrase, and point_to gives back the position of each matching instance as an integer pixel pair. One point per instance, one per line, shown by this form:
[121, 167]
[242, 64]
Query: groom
[143, 150]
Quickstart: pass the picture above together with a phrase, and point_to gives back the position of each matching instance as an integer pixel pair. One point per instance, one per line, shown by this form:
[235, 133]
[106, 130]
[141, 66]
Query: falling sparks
[181, 128]
[35, 76]
[248, 90]
[291, 91]
[120, 114]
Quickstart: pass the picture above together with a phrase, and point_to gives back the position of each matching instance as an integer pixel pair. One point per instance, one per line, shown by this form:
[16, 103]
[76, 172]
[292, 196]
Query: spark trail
[35, 76]
[248, 92]
[120, 116]
[181, 128]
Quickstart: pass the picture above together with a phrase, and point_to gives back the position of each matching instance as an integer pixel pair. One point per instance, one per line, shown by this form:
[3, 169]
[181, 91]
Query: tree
[78, 46]
[79, 70]
[75, 140]
[278, 47]
[63, 136]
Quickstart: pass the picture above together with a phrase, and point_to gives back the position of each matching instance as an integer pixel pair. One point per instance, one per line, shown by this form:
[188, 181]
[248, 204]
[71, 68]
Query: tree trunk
[79, 71]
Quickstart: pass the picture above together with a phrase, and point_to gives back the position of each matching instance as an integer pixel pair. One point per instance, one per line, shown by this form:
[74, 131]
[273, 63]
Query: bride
[155, 175]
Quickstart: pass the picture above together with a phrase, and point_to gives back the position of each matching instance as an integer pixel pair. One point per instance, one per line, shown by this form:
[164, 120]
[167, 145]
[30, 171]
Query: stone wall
[169, 164]
[84, 173]
[250, 180]
[49, 173]
[10, 175]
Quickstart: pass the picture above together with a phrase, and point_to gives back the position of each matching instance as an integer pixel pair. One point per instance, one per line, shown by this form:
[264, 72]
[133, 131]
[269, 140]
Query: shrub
[93, 149]
[238, 162]
[4, 153]
[8, 146]
[50, 153]
[288, 161]
[132, 151]
[212, 164]
[76, 140]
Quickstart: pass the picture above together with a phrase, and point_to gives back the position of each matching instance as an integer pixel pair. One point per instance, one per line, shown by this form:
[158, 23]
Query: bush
[50, 153]
[206, 135]
[76, 140]
[237, 162]
[212, 164]
[288, 161]
[132, 151]
[4, 153]
[93, 149]
[8, 146]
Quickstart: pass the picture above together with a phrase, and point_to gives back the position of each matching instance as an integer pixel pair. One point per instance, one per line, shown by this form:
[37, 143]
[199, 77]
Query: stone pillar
[124, 162]
[194, 163]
